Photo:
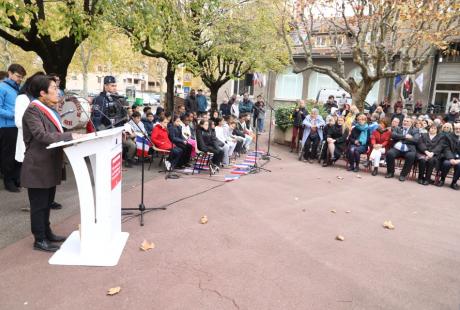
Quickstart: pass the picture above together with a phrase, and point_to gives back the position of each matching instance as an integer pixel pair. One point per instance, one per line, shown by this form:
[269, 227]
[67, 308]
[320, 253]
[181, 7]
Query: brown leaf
[340, 238]
[388, 225]
[145, 245]
[359, 176]
[303, 210]
[348, 211]
[339, 177]
[204, 219]
[113, 291]
[333, 211]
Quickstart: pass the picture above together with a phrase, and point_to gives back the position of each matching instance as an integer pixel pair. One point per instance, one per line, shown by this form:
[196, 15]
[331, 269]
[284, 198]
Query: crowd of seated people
[431, 145]
[182, 136]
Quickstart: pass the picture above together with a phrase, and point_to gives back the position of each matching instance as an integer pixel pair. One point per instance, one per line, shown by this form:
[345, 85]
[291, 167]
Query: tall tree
[51, 29]
[384, 38]
[160, 29]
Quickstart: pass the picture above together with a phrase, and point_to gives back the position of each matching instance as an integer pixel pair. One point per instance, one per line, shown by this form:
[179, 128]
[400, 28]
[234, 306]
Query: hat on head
[109, 79]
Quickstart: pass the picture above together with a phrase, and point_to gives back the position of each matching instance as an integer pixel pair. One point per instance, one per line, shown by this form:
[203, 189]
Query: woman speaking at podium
[42, 168]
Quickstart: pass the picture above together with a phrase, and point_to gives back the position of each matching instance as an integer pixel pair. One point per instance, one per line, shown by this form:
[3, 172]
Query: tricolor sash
[49, 114]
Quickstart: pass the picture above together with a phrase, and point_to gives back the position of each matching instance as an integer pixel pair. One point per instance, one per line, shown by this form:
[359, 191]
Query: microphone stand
[256, 168]
[267, 156]
[141, 208]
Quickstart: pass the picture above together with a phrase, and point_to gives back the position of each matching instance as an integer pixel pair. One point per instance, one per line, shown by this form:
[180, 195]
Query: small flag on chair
[139, 146]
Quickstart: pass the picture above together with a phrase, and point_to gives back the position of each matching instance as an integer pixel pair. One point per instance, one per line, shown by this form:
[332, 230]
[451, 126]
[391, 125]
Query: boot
[375, 171]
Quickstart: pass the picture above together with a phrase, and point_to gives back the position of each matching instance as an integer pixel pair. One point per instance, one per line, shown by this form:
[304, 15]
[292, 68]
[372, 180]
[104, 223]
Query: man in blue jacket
[8, 131]
[202, 102]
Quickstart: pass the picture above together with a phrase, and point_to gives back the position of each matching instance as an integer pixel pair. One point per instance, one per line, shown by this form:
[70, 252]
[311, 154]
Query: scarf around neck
[364, 132]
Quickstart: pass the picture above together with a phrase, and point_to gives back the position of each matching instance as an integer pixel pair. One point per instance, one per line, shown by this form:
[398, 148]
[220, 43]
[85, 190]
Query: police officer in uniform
[109, 103]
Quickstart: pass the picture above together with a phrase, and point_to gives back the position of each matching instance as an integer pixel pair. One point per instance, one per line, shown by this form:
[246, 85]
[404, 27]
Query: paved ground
[269, 244]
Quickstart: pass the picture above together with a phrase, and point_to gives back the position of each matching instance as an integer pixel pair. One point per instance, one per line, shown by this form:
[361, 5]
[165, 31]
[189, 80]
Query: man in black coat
[451, 157]
[191, 105]
[405, 140]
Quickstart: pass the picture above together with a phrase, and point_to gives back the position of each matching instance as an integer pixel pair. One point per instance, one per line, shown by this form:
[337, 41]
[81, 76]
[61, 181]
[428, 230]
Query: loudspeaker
[248, 79]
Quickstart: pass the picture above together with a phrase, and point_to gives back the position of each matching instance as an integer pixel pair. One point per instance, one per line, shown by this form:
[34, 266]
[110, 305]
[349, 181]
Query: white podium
[100, 240]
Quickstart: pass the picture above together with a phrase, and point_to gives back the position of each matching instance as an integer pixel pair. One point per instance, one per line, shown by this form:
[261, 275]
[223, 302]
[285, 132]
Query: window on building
[74, 77]
[239, 88]
[99, 79]
[320, 41]
[337, 40]
[136, 81]
[289, 85]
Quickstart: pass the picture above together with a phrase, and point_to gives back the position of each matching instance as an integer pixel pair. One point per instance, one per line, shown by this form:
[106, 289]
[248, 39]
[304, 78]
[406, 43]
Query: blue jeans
[260, 124]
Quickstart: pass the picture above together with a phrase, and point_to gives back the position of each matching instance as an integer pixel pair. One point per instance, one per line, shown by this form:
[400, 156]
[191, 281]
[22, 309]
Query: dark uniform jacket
[42, 168]
[111, 108]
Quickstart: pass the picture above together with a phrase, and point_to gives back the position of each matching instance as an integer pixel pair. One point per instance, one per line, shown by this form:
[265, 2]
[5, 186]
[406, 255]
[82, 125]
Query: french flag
[147, 146]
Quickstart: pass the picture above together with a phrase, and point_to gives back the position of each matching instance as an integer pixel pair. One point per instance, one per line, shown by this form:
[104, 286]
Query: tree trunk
[214, 90]
[170, 72]
[359, 95]
[57, 58]
[85, 82]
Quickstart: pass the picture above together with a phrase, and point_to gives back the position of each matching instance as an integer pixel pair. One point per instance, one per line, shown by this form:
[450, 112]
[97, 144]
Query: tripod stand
[268, 155]
[256, 168]
[141, 208]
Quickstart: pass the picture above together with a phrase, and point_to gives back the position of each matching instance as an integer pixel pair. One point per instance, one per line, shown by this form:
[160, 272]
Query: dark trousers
[297, 133]
[445, 167]
[409, 159]
[218, 155]
[9, 166]
[40, 200]
[186, 153]
[425, 167]
[175, 156]
[354, 154]
[311, 147]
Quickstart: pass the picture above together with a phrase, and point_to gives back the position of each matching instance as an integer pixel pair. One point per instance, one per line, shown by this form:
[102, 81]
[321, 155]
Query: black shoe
[426, 182]
[440, 183]
[44, 245]
[402, 178]
[11, 187]
[420, 181]
[325, 164]
[375, 171]
[128, 164]
[356, 169]
[55, 238]
[55, 206]
[455, 186]
[389, 175]
[350, 168]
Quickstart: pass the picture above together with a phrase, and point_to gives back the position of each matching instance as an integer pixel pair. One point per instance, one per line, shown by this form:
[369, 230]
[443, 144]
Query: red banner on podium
[116, 170]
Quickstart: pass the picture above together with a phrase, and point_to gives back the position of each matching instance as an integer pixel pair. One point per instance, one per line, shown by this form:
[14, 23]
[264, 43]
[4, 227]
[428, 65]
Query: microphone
[68, 112]
[91, 121]
[96, 108]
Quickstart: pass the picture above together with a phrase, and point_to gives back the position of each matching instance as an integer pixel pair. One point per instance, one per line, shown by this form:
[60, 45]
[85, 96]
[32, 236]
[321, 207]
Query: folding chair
[201, 160]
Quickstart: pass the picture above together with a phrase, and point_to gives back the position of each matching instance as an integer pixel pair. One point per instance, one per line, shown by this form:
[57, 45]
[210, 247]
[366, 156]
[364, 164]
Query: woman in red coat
[380, 142]
[161, 140]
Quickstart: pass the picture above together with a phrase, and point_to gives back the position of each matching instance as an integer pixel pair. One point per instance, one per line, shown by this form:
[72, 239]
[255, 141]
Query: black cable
[126, 219]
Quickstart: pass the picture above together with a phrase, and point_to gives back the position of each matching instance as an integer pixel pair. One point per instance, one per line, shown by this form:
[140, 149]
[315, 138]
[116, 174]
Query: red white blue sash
[49, 114]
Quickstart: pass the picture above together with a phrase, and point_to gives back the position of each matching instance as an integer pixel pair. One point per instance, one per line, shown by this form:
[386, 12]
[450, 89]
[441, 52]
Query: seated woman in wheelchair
[336, 141]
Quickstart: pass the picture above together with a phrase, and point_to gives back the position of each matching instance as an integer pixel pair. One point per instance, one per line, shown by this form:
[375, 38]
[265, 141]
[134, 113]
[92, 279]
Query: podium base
[69, 253]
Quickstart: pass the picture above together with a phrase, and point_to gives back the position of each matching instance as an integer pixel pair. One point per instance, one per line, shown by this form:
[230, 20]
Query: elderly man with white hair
[312, 135]
[406, 139]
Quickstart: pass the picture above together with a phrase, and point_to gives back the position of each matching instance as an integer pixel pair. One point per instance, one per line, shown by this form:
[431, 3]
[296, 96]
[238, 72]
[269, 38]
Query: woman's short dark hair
[25, 89]
[384, 121]
[159, 110]
[184, 117]
[40, 83]
[174, 118]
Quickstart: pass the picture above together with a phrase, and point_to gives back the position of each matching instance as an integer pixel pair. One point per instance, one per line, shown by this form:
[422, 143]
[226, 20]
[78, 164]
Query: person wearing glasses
[9, 89]
[451, 157]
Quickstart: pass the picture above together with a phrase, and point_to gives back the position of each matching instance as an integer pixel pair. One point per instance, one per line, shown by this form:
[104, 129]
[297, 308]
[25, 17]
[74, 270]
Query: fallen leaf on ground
[303, 210]
[204, 219]
[296, 198]
[348, 211]
[388, 225]
[340, 238]
[339, 177]
[359, 176]
[114, 290]
[333, 211]
[145, 245]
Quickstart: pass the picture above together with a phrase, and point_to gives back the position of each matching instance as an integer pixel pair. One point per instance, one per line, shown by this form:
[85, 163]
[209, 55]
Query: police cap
[109, 79]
